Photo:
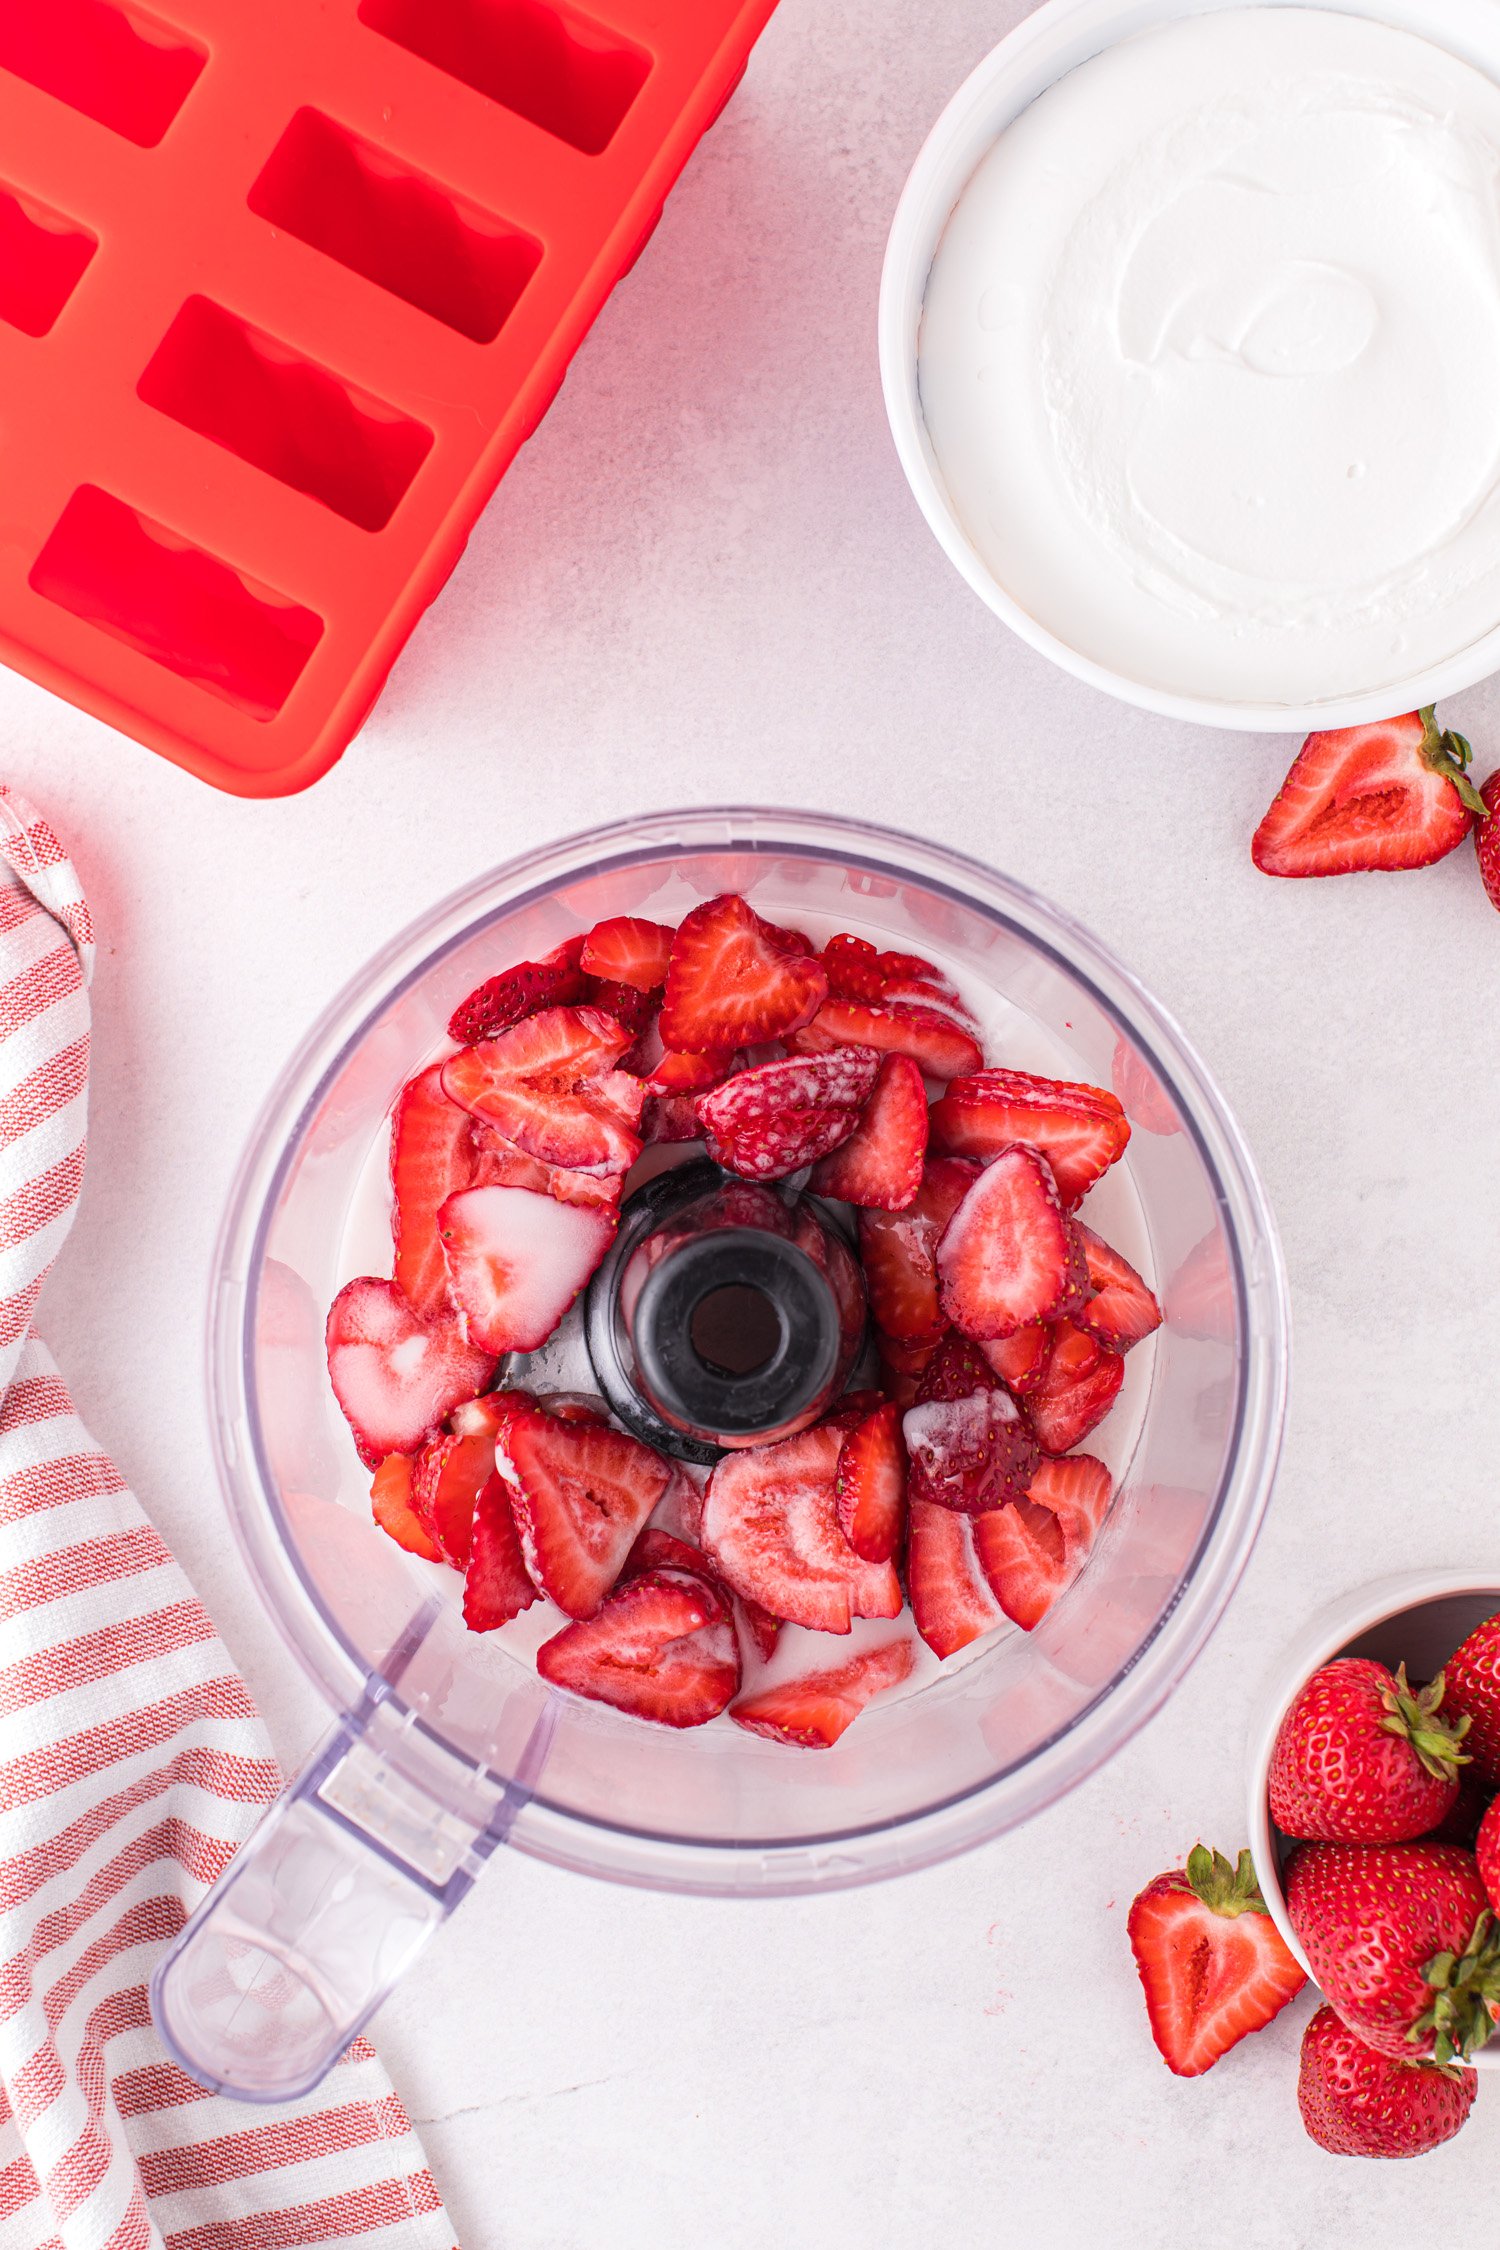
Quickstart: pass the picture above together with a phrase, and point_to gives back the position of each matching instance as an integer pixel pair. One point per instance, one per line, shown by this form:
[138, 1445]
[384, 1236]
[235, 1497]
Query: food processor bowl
[447, 1744]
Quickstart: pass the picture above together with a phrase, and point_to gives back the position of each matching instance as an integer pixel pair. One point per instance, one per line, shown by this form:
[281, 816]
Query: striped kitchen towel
[132, 1761]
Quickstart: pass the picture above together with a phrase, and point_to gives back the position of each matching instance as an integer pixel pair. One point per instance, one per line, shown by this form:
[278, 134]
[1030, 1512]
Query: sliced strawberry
[900, 1254]
[519, 992]
[1008, 1257]
[549, 1086]
[732, 981]
[770, 1528]
[661, 1550]
[831, 1255]
[624, 950]
[517, 1260]
[937, 1044]
[955, 1368]
[1081, 1130]
[450, 1471]
[813, 1711]
[395, 1375]
[677, 1073]
[1032, 1551]
[499, 1163]
[1393, 795]
[432, 1157]
[853, 1408]
[662, 1648]
[902, 1367]
[496, 1585]
[872, 1485]
[1020, 1361]
[770, 1121]
[630, 1007]
[680, 1508]
[671, 1118]
[390, 1503]
[969, 1453]
[580, 1494]
[853, 969]
[950, 1599]
[1213, 1964]
[1080, 1386]
[1121, 1311]
[880, 1165]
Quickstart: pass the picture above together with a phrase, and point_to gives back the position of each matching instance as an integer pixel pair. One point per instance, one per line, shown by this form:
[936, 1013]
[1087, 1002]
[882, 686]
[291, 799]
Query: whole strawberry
[1473, 1677]
[1487, 840]
[1355, 2102]
[1212, 1963]
[1361, 1758]
[1487, 1854]
[1402, 1942]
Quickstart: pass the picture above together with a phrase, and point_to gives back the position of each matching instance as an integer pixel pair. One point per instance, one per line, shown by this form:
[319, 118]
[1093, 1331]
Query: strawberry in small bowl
[1376, 1763]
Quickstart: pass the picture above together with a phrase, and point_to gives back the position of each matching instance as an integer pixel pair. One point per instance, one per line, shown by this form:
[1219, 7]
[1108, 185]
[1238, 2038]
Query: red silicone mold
[284, 284]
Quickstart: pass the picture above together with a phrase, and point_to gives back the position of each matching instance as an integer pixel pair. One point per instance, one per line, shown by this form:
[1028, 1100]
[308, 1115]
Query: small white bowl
[1059, 36]
[1418, 1619]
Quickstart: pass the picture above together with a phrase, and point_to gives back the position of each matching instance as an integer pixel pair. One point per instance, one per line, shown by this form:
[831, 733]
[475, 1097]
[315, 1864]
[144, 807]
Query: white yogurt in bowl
[1205, 359]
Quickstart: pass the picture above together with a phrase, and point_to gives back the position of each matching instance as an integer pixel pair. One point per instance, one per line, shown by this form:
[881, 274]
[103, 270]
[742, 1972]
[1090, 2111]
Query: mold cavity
[118, 65]
[395, 226]
[147, 586]
[560, 69]
[284, 414]
[42, 257]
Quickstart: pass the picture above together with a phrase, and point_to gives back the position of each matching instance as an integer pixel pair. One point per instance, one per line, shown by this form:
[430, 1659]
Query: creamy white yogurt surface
[1210, 357]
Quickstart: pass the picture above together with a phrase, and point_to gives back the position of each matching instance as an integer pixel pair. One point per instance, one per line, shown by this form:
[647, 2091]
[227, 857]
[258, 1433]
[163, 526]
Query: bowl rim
[1114, 1714]
[1322, 1638]
[973, 118]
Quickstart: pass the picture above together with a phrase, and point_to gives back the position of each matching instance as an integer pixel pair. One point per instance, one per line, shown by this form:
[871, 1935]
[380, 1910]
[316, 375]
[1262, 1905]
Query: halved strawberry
[580, 1494]
[1032, 1551]
[872, 1485]
[1393, 795]
[1020, 1360]
[1081, 1383]
[950, 1598]
[1081, 1130]
[937, 1044]
[517, 1260]
[1121, 1310]
[1009, 1257]
[771, 1530]
[662, 1648]
[451, 1470]
[1213, 1964]
[519, 992]
[549, 1086]
[900, 1254]
[813, 1711]
[731, 980]
[499, 1163]
[880, 1165]
[432, 1157]
[390, 1504]
[395, 1375]
[625, 950]
[496, 1584]
[768, 1122]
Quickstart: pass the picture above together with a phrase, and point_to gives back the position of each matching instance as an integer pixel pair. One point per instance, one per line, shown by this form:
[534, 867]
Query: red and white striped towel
[132, 1762]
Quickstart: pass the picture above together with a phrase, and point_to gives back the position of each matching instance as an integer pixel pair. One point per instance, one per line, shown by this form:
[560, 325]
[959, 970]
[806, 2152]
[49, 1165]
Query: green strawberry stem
[1225, 1890]
[1413, 1714]
[1451, 754]
[1465, 1988]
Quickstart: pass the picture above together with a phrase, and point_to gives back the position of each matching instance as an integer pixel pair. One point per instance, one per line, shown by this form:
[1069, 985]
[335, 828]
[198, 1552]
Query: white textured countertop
[706, 580]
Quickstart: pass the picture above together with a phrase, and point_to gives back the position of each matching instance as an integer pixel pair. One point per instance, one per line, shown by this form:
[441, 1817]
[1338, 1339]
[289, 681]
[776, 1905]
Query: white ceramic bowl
[1419, 1620]
[1059, 36]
